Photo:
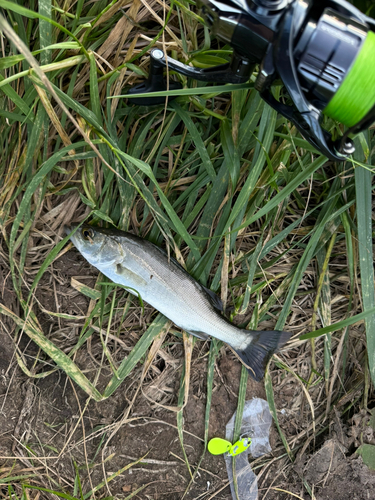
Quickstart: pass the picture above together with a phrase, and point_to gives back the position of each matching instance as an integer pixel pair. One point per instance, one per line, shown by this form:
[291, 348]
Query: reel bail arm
[238, 70]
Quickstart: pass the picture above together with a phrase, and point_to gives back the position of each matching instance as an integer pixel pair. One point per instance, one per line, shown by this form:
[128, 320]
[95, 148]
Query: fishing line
[356, 95]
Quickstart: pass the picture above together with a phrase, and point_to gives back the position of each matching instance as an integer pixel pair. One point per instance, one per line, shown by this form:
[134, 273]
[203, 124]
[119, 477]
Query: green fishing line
[356, 95]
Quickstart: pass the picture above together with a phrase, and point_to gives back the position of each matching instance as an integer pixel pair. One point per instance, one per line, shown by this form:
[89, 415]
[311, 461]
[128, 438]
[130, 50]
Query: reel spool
[324, 53]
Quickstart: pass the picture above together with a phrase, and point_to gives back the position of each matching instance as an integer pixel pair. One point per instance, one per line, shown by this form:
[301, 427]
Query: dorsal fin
[214, 299]
[165, 253]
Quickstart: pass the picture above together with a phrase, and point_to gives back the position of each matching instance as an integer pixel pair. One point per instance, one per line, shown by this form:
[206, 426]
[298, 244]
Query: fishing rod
[322, 51]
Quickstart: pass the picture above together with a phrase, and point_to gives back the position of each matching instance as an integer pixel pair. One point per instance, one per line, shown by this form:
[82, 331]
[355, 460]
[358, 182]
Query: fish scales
[171, 290]
[165, 285]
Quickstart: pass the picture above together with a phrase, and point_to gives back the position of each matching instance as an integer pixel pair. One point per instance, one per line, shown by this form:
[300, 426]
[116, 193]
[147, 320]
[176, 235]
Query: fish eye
[87, 234]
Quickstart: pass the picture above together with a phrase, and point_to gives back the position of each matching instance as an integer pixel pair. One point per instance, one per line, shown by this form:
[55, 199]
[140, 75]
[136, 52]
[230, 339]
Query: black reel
[310, 46]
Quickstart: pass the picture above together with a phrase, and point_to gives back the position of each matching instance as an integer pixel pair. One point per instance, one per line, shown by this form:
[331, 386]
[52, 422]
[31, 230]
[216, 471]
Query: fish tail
[260, 349]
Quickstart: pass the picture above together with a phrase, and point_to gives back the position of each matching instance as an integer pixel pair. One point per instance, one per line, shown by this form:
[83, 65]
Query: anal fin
[199, 335]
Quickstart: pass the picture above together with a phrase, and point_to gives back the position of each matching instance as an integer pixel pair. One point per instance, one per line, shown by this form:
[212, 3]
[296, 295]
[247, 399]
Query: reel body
[323, 52]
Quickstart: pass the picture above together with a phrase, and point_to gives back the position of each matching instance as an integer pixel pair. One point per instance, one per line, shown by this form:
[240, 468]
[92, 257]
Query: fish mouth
[67, 229]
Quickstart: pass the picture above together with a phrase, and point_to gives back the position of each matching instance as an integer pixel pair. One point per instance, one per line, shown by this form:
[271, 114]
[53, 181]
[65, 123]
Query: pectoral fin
[132, 279]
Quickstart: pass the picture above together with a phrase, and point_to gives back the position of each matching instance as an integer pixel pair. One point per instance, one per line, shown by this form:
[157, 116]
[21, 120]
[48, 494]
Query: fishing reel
[322, 51]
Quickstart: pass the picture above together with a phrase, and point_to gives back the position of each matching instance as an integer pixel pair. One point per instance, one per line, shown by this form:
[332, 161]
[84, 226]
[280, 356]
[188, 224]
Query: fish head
[99, 248]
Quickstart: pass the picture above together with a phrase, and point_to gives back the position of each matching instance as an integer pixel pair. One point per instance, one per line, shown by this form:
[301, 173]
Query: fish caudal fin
[260, 350]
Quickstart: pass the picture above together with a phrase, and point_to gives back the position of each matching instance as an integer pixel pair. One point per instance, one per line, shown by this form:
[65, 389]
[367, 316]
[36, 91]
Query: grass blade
[271, 402]
[160, 323]
[60, 358]
[363, 186]
[339, 325]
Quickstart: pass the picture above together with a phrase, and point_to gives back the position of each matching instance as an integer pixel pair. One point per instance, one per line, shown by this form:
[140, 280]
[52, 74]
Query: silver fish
[165, 285]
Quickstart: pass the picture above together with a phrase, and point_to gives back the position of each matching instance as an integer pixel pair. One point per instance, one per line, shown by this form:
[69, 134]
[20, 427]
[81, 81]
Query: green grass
[216, 176]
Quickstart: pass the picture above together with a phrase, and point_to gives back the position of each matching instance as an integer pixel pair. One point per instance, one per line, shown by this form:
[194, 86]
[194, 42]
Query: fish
[162, 282]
